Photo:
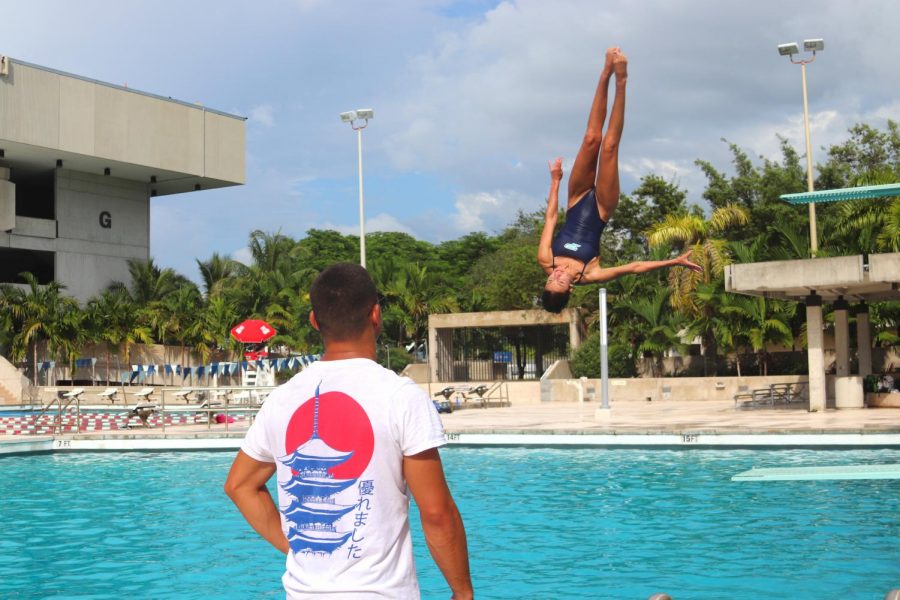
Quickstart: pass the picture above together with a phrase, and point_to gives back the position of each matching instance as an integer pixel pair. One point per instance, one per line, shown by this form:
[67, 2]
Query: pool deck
[640, 424]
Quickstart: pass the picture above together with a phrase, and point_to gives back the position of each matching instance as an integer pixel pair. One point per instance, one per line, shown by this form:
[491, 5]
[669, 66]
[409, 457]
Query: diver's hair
[554, 301]
[342, 297]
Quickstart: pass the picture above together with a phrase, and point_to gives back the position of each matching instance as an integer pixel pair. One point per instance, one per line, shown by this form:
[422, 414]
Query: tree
[43, 314]
[411, 296]
[218, 272]
[711, 253]
[211, 330]
[758, 190]
[766, 322]
[121, 321]
[150, 283]
[659, 329]
[652, 200]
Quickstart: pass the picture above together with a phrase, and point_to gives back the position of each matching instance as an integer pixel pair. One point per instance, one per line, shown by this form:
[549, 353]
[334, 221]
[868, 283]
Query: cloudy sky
[471, 97]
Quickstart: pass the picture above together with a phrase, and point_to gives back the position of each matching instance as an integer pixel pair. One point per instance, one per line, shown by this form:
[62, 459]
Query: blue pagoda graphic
[313, 512]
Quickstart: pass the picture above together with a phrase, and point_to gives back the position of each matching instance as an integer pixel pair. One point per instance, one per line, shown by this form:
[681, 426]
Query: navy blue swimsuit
[580, 236]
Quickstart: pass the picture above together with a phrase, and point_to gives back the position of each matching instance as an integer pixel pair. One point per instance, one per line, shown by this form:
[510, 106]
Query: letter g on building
[105, 220]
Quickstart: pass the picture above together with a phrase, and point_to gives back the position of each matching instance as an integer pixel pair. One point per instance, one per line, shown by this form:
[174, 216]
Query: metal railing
[148, 408]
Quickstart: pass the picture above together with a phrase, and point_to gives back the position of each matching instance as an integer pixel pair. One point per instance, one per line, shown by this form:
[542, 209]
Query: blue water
[542, 523]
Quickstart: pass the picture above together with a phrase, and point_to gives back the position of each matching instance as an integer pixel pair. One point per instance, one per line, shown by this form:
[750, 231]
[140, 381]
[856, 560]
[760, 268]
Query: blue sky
[471, 97]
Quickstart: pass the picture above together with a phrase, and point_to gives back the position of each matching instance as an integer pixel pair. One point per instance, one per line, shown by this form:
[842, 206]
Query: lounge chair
[476, 394]
[444, 406]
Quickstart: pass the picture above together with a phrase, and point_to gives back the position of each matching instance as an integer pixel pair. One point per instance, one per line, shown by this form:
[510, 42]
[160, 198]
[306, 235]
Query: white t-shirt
[338, 432]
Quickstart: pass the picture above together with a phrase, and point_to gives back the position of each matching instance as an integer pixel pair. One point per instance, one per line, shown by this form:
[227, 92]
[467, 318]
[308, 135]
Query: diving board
[820, 473]
[856, 193]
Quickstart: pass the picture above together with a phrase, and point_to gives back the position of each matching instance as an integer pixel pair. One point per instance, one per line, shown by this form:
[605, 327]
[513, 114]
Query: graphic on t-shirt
[329, 443]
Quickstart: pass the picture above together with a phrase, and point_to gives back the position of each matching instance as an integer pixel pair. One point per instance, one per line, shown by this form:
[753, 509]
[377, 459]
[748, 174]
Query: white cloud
[243, 256]
[482, 211]
[515, 86]
[380, 222]
[263, 114]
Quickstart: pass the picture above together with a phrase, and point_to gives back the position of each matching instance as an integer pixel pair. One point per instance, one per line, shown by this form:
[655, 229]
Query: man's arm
[441, 521]
[246, 486]
[545, 251]
[600, 274]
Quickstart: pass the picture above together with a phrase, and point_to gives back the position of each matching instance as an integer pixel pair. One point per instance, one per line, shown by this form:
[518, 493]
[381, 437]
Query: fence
[504, 353]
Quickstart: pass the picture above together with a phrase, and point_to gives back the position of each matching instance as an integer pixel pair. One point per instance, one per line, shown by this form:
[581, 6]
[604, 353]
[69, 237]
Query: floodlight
[348, 116]
[788, 49]
[815, 45]
[365, 113]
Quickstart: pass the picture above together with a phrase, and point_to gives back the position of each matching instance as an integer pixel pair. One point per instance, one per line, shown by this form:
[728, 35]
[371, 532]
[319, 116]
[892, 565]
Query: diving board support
[837, 472]
[815, 341]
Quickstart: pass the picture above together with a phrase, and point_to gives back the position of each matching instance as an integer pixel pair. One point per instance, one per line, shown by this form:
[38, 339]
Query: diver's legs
[584, 171]
[607, 185]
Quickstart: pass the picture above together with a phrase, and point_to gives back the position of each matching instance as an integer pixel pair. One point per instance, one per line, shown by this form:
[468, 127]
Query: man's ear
[375, 318]
[312, 320]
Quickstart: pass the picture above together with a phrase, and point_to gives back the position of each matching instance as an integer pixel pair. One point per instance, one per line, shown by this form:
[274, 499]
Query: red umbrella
[253, 331]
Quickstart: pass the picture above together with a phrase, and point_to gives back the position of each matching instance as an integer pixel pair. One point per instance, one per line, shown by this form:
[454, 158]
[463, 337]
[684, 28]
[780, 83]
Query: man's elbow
[442, 517]
[230, 489]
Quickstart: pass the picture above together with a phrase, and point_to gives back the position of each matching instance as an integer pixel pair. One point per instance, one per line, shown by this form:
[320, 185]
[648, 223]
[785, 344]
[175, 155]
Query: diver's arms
[597, 274]
[545, 252]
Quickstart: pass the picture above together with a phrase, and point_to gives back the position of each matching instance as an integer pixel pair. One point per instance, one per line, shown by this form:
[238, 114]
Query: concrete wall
[89, 256]
[519, 392]
[44, 108]
[13, 384]
[7, 201]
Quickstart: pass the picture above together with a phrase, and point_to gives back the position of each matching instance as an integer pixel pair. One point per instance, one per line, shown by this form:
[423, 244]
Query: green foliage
[743, 220]
[585, 361]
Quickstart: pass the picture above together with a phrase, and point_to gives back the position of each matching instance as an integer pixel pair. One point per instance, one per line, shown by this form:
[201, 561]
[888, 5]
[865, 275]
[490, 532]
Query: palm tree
[766, 322]
[105, 313]
[43, 314]
[710, 252]
[211, 330]
[217, 273]
[726, 326]
[176, 314]
[150, 283]
[657, 329]
[411, 295]
[270, 251]
[876, 221]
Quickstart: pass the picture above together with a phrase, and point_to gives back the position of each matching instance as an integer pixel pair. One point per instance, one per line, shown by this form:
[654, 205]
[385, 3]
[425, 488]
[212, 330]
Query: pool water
[542, 523]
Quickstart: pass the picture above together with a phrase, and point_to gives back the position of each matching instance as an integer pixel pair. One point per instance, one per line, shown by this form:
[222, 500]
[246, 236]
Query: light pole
[789, 50]
[354, 117]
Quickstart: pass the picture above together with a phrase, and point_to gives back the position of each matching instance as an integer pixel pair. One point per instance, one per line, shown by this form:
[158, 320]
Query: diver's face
[558, 281]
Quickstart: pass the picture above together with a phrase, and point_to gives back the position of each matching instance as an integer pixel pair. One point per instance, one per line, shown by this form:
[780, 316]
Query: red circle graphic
[343, 425]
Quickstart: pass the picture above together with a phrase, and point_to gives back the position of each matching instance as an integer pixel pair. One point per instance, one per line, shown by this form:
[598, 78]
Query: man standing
[347, 439]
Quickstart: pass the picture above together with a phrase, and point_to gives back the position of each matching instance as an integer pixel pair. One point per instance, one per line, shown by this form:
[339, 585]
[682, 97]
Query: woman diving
[573, 257]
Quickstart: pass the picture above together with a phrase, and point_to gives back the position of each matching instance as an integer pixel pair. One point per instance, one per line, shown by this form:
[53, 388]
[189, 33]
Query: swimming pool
[542, 523]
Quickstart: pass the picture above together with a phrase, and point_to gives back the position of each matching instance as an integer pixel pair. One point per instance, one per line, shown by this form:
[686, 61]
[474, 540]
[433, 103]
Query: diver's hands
[556, 170]
[684, 261]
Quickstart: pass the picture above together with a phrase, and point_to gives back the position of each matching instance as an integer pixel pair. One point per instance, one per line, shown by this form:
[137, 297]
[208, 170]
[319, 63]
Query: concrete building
[443, 358]
[80, 161]
[838, 281]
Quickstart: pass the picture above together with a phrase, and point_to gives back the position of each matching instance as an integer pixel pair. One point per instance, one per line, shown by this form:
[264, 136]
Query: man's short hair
[342, 298]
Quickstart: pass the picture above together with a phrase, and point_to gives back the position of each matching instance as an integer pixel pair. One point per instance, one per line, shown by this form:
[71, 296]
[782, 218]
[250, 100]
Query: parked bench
[770, 396]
